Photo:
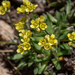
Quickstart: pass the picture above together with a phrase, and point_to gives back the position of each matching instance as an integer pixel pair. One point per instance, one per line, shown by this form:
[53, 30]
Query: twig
[6, 50]
[1, 42]
[11, 63]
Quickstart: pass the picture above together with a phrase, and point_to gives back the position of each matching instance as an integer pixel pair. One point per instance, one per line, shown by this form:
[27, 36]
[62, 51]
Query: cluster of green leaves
[39, 57]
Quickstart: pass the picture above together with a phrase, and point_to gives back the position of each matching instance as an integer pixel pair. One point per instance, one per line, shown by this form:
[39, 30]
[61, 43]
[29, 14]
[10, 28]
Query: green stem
[64, 40]
[46, 31]
[10, 18]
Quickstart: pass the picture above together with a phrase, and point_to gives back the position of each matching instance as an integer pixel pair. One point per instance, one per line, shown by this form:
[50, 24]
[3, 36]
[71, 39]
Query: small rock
[6, 32]
[70, 28]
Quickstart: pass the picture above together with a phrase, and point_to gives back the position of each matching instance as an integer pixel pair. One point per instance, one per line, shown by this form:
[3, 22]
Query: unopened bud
[61, 58]
[38, 56]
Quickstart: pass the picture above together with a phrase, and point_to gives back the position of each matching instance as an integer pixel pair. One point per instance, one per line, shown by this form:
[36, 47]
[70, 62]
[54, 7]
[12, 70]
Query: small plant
[45, 40]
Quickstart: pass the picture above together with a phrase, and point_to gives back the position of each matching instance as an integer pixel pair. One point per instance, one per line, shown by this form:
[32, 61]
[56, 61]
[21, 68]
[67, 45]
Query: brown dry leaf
[6, 32]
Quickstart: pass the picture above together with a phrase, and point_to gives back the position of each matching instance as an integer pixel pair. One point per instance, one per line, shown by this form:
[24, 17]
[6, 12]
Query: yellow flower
[38, 29]
[48, 42]
[20, 27]
[43, 26]
[27, 46]
[2, 10]
[70, 43]
[21, 9]
[24, 1]
[29, 33]
[55, 42]
[20, 49]
[47, 37]
[42, 18]
[42, 42]
[26, 7]
[51, 41]
[70, 37]
[6, 4]
[25, 39]
[52, 36]
[34, 24]
[32, 21]
[73, 33]
[47, 46]
[23, 33]
[27, 3]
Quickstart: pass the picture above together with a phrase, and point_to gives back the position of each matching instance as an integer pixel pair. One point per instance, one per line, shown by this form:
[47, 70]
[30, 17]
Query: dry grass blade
[11, 63]
[6, 50]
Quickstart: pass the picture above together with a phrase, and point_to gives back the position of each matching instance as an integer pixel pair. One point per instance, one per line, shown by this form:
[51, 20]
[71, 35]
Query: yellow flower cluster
[48, 42]
[25, 45]
[39, 24]
[25, 34]
[26, 7]
[20, 24]
[4, 7]
[71, 37]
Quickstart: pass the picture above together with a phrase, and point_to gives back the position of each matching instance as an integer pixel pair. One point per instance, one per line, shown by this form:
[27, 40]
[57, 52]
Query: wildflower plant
[46, 40]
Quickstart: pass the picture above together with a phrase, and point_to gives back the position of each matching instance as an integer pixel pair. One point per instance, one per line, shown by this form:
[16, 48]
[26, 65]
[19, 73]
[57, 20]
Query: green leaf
[38, 38]
[54, 73]
[51, 18]
[37, 60]
[42, 67]
[57, 4]
[57, 15]
[16, 57]
[65, 50]
[30, 62]
[61, 16]
[49, 25]
[73, 24]
[46, 73]
[56, 64]
[64, 35]
[59, 23]
[34, 15]
[22, 63]
[38, 47]
[46, 52]
[65, 46]
[35, 70]
[68, 8]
